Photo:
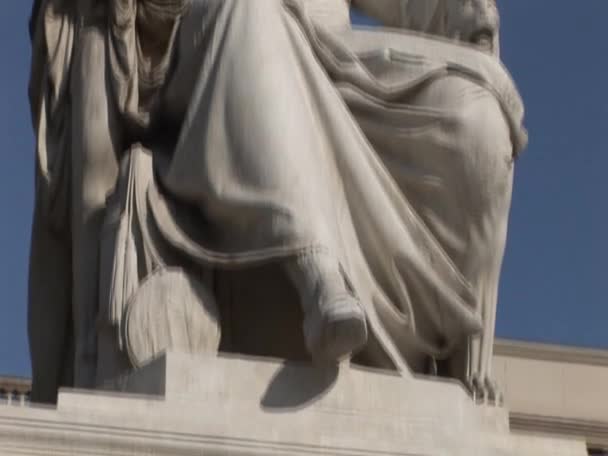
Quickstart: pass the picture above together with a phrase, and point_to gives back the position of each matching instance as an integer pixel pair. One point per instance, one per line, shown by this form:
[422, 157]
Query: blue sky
[555, 276]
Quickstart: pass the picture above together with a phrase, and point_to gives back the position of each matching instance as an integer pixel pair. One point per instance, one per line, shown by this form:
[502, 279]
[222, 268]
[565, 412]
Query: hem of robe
[343, 53]
[176, 231]
[344, 56]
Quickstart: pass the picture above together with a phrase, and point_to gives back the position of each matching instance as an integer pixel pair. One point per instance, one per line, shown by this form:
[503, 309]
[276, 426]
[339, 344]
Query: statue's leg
[245, 118]
[448, 148]
[49, 309]
[489, 133]
[95, 142]
[481, 147]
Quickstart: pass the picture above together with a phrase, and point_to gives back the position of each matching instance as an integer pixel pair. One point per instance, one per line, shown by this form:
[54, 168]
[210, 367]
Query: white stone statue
[369, 170]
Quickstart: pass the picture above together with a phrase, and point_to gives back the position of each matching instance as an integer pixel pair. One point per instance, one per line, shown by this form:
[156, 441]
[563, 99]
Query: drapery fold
[297, 134]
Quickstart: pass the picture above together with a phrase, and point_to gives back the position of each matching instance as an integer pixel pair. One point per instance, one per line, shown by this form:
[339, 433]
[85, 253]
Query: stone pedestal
[185, 405]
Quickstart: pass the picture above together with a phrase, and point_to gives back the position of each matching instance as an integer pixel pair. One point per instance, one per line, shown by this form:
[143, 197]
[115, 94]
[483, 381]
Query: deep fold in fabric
[297, 134]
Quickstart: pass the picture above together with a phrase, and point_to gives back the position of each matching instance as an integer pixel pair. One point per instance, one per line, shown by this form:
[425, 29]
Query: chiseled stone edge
[25, 436]
[550, 352]
[594, 432]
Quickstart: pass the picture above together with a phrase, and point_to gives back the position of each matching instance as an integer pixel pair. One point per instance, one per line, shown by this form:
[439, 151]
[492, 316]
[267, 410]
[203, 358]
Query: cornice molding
[39, 436]
[36, 437]
[548, 352]
[595, 433]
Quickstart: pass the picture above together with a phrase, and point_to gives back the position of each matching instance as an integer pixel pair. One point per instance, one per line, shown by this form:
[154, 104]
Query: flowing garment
[291, 132]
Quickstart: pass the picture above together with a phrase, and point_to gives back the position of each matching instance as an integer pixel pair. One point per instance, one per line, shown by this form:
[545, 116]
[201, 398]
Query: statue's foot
[334, 321]
[486, 390]
[335, 329]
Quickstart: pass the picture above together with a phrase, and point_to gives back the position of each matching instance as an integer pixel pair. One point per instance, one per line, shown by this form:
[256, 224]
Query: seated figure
[372, 166]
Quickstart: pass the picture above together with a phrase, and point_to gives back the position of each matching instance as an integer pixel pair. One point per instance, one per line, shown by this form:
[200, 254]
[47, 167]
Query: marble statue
[203, 164]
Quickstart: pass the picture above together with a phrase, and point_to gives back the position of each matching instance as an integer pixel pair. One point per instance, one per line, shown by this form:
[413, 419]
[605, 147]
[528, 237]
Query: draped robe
[292, 133]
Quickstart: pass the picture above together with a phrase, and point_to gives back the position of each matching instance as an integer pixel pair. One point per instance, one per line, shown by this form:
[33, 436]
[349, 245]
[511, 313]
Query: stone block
[191, 405]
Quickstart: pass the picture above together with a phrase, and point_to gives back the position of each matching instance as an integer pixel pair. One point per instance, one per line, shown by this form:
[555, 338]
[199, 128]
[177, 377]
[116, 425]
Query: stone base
[185, 405]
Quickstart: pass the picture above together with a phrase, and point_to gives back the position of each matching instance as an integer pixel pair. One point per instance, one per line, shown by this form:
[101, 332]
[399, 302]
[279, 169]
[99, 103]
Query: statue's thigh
[478, 138]
[473, 147]
[476, 168]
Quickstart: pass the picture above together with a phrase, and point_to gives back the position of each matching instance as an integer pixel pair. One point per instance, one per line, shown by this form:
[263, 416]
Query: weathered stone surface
[188, 405]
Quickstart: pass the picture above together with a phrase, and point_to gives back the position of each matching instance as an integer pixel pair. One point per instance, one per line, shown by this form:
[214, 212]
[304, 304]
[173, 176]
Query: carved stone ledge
[185, 405]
